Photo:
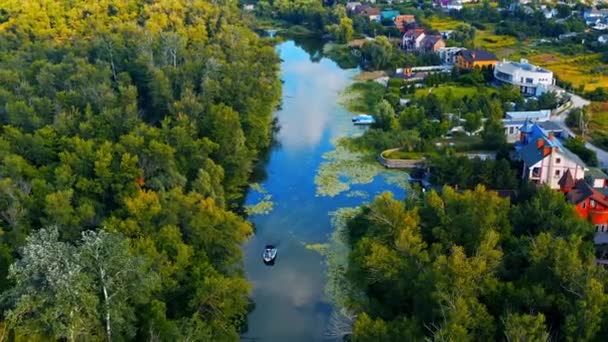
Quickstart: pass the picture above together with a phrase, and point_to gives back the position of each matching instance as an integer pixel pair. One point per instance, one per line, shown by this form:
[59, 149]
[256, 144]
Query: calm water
[290, 301]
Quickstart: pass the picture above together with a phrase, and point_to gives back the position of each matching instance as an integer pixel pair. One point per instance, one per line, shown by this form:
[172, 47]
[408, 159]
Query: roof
[567, 181]
[526, 128]
[582, 191]
[595, 173]
[407, 18]
[477, 55]
[510, 67]
[367, 10]
[430, 41]
[550, 126]
[413, 33]
[532, 114]
[530, 154]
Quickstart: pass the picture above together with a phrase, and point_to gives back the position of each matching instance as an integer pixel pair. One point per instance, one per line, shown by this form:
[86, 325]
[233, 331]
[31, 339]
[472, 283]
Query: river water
[291, 304]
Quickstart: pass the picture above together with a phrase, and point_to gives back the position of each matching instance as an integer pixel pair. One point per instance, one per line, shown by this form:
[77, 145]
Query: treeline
[128, 131]
[467, 266]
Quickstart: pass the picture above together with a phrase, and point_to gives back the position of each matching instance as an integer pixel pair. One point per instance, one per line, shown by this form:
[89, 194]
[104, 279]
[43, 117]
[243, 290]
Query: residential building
[447, 55]
[533, 115]
[469, 59]
[351, 6]
[531, 80]
[591, 204]
[417, 40]
[432, 43]
[544, 158]
[603, 39]
[454, 5]
[387, 15]
[412, 39]
[403, 21]
[372, 13]
[549, 12]
[596, 177]
[513, 129]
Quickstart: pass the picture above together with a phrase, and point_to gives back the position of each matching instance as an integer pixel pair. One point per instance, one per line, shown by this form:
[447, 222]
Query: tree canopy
[468, 266]
[128, 131]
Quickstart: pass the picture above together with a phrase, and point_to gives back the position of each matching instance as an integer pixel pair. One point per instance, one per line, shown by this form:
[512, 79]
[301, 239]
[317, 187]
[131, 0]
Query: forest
[129, 129]
[471, 266]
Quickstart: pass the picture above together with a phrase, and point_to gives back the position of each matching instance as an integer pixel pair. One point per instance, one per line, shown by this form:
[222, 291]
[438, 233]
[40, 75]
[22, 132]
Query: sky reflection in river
[290, 300]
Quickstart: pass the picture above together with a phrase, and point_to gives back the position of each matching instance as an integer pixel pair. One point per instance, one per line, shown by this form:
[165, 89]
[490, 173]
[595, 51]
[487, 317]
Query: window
[558, 160]
[593, 204]
[557, 172]
[511, 130]
[536, 172]
[584, 205]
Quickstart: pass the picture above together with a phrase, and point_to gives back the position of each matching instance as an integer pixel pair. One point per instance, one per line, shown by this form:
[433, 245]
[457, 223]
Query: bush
[577, 146]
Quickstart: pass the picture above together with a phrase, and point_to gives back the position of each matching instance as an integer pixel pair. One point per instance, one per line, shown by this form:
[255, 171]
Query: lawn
[443, 23]
[399, 154]
[458, 91]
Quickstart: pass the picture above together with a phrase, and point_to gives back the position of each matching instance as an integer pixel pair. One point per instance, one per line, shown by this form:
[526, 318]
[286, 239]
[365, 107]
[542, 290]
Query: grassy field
[599, 117]
[399, 154]
[458, 91]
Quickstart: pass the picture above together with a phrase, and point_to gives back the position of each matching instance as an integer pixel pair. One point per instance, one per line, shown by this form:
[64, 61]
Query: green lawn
[399, 154]
[458, 91]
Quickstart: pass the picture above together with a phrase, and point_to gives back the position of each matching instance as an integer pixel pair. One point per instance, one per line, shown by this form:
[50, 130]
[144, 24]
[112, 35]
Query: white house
[513, 129]
[544, 159]
[531, 80]
[350, 6]
[532, 115]
[603, 39]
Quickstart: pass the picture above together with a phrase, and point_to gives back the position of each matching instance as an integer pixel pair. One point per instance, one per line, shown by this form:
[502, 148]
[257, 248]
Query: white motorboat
[269, 254]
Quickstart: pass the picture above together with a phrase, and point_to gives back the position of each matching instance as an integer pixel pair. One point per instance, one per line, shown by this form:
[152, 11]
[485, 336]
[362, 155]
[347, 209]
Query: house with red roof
[591, 204]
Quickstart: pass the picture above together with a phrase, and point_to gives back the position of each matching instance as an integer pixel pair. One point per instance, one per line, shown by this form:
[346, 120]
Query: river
[291, 304]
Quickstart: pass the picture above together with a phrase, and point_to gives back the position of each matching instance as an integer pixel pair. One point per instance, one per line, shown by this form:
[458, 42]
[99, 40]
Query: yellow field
[442, 24]
[599, 117]
[577, 70]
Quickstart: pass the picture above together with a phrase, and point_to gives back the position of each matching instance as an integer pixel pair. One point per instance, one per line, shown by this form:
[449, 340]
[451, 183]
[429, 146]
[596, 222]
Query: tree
[472, 122]
[493, 134]
[345, 30]
[522, 327]
[53, 295]
[384, 114]
[121, 278]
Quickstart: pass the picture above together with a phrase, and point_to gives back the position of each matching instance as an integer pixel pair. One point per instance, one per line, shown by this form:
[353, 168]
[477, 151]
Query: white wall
[549, 165]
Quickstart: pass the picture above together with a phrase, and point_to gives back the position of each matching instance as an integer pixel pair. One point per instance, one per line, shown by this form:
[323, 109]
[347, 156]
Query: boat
[269, 254]
[363, 119]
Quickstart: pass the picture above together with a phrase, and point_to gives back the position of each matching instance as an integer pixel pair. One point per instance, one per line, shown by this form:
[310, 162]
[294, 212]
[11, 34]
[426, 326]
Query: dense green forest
[129, 129]
[468, 266]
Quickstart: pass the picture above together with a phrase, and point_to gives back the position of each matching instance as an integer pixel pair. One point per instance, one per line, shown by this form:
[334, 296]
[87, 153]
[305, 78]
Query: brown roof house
[403, 20]
[432, 43]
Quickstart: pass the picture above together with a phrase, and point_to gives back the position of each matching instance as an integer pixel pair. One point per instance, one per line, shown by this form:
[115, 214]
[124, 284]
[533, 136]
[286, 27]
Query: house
[544, 159]
[603, 39]
[469, 59]
[351, 6]
[600, 26]
[372, 13]
[513, 129]
[249, 7]
[591, 204]
[403, 21]
[432, 43]
[454, 5]
[548, 12]
[387, 15]
[596, 177]
[531, 80]
[447, 55]
[532, 115]
[412, 39]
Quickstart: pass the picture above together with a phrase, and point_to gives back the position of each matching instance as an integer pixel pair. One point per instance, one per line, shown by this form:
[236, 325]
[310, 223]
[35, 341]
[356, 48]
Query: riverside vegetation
[128, 133]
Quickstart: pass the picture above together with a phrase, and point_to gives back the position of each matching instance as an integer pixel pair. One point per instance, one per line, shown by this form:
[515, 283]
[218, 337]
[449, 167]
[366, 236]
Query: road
[560, 119]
